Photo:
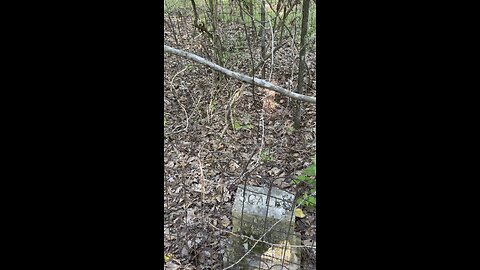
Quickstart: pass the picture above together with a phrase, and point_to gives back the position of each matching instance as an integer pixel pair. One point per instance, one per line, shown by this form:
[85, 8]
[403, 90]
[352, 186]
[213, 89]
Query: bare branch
[239, 76]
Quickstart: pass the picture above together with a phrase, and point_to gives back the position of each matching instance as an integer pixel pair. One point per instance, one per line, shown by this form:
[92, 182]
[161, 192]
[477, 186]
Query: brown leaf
[269, 104]
[225, 221]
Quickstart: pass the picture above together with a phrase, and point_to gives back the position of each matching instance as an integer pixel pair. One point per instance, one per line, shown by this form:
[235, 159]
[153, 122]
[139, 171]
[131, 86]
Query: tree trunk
[263, 38]
[301, 70]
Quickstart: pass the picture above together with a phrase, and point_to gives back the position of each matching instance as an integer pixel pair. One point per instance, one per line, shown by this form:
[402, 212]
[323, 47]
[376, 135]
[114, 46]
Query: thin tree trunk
[301, 70]
[201, 26]
[263, 38]
[217, 44]
[252, 16]
[250, 46]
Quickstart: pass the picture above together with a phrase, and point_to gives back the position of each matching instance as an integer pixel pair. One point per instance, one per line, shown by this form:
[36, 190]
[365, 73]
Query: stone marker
[254, 204]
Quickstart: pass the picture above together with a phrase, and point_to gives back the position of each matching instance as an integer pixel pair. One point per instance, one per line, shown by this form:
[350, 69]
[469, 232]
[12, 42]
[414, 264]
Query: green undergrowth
[309, 177]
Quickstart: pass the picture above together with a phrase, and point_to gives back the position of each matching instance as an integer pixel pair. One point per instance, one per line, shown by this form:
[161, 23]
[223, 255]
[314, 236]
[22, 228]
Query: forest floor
[218, 135]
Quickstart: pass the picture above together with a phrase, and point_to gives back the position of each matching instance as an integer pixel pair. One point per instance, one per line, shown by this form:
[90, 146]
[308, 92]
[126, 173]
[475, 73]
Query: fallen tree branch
[239, 76]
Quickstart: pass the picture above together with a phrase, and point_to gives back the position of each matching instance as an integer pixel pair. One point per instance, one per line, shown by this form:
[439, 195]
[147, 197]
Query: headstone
[254, 212]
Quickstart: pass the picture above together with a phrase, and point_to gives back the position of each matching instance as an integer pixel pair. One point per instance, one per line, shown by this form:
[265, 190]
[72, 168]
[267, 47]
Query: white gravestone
[255, 203]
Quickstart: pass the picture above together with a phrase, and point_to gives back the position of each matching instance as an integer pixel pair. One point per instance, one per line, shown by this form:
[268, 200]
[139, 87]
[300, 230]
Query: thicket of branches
[265, 27]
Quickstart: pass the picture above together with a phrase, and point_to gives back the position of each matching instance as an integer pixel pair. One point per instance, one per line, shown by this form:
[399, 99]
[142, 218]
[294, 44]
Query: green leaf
[311, 171]
[236, 126]
[302, 178]
[312, 200]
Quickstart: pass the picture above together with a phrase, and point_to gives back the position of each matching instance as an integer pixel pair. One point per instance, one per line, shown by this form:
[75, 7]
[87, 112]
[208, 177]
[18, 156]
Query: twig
[254, 239]
[246, 166]
[202, 179]
[273, 43]
[176, 97]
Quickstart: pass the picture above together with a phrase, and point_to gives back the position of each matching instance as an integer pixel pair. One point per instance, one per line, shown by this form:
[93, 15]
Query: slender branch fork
[239, 76]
